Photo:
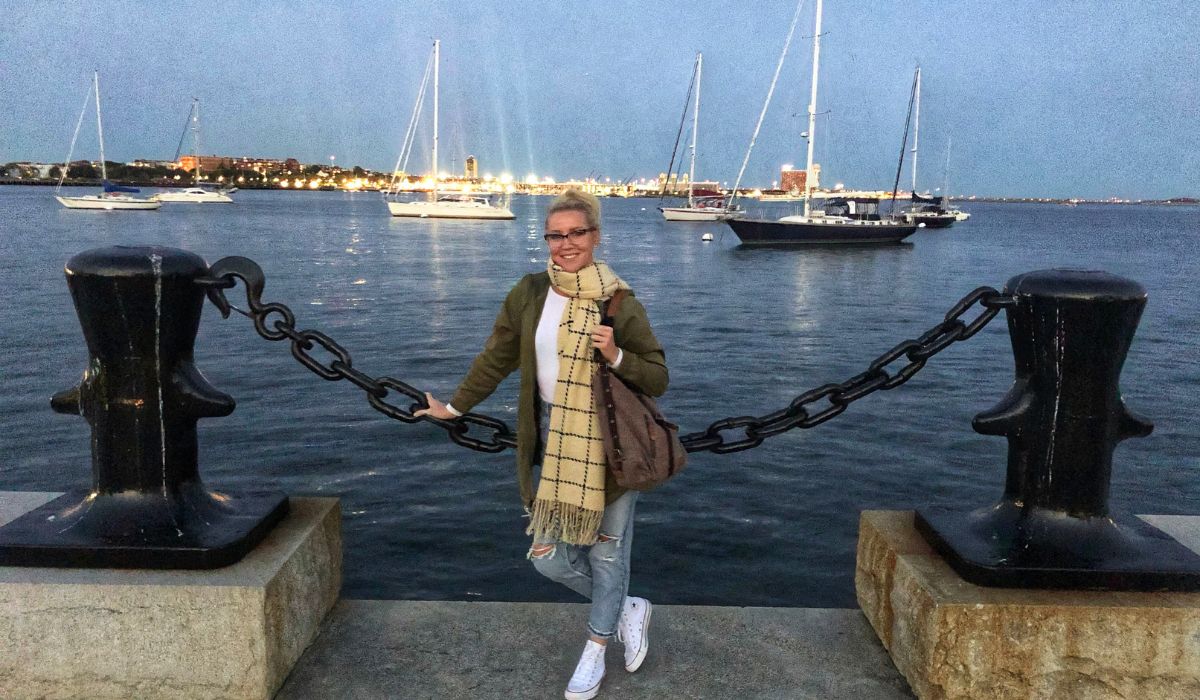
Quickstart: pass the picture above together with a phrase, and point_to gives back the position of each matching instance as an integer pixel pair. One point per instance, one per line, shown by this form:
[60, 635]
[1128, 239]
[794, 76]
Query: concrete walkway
[413, 649]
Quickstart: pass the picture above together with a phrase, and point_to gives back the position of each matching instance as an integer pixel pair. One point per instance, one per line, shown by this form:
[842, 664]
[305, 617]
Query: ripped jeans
[600, 572]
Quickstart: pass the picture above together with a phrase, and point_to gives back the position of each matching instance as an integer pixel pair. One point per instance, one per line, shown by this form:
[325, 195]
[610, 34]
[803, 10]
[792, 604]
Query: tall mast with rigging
[196, 135]
[695, 126]
[99, 125]
[916, 128]
[436, 64]
[812, 112]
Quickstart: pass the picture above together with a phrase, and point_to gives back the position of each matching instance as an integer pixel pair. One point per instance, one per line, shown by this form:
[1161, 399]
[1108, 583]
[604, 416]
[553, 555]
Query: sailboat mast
[196, 135]
[99, 125]
[695, 124]
[812, 112]
[916, 129]
[946, 171]
[436, 64]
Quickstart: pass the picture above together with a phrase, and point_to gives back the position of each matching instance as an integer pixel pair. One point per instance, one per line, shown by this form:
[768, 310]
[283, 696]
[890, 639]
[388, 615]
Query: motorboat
[198, 195]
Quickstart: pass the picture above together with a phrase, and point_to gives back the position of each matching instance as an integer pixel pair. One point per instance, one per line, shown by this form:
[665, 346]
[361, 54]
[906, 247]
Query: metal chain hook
[222, 276]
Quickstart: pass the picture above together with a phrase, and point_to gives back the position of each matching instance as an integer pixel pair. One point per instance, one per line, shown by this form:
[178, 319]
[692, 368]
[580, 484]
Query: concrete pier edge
[233, 632]
[953, 639]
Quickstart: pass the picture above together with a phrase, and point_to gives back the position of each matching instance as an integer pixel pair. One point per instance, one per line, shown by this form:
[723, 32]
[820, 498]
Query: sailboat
[446, 206]
[195, 194]
[114, 197]
[841, 219]
[927, 211]
[706, 207]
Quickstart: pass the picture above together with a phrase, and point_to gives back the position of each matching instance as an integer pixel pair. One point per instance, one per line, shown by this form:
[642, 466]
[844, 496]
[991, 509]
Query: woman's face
[571, 240]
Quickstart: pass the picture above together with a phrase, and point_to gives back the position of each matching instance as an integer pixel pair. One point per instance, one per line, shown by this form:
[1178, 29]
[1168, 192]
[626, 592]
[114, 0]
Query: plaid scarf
[570, 495]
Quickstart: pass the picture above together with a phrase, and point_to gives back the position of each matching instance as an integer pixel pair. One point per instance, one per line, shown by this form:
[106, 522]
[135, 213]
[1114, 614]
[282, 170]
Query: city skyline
[1039, 101]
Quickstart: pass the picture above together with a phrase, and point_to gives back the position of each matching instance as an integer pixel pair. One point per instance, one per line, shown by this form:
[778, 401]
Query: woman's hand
[437, 409]
[602, 340]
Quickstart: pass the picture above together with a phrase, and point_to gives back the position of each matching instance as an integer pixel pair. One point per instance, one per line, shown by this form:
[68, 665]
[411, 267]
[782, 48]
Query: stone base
[233, 632]
[953, 639]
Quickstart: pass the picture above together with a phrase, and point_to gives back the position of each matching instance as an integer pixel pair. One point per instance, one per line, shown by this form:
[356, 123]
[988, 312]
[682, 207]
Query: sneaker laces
[622, 623]
[588, 661]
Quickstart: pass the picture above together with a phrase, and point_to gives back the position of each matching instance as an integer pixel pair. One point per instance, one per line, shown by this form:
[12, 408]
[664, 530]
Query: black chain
[498, 436]
[224, 275]
[753, 430]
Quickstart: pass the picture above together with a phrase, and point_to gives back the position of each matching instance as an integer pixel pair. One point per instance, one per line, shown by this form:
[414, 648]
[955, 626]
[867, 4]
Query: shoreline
[1174, 201]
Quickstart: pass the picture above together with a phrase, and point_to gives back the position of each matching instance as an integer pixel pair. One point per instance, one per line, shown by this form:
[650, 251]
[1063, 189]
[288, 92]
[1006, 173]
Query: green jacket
[510, 347]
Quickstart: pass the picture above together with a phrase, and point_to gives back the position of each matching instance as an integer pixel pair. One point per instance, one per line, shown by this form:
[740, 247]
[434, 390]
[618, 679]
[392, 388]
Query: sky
[1048, 98]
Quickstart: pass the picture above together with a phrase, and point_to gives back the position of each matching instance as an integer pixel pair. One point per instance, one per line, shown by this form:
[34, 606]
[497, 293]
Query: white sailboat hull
[195, 196]
[694, 214]
[93, 201]
[449, 210]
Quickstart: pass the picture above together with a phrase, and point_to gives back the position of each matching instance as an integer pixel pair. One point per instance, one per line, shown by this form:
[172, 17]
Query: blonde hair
[576, 200]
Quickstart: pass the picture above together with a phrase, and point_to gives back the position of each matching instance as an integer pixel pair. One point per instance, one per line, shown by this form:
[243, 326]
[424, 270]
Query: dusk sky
[1040, 98]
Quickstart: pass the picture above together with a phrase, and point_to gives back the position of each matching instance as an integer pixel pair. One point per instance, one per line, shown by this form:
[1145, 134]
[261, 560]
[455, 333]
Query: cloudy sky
[1047, 98]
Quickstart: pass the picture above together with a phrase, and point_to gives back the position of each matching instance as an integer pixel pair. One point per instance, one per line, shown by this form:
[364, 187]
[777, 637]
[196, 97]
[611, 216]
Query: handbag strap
[606, 318]
[610, 310]
[611, 415]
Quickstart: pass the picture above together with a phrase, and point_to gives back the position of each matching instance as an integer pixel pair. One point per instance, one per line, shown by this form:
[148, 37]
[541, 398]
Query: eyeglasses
[575, 234]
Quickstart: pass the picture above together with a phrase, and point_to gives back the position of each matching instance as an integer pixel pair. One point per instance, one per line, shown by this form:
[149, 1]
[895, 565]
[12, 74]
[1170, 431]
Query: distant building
[796, 181]
[207, 163]
[676, 184]
[262, 165]
[471, 171]
[28, 170]
[144, 163]
[265, 165]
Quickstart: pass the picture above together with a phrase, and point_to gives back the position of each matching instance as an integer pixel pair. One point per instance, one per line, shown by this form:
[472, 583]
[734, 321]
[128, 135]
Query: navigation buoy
[706, 237]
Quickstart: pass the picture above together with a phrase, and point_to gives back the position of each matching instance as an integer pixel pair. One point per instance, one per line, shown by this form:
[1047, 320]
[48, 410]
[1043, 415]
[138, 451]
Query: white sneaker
[585, 682]
[634, 630]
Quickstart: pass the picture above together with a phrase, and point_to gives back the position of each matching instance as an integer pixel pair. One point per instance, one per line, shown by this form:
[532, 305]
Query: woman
[580, 520]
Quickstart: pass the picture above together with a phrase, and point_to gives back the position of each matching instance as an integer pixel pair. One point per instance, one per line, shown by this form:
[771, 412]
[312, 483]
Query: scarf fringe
[565, 522]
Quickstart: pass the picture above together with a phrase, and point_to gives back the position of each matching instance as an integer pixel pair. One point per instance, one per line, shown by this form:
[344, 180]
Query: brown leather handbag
[642, 447]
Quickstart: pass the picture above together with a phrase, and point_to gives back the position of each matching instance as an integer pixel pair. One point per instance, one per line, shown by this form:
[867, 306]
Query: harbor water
[745, 331]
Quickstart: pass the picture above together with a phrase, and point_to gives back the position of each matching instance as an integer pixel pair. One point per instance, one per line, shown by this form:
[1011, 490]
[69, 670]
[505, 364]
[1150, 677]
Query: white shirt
[545, 342]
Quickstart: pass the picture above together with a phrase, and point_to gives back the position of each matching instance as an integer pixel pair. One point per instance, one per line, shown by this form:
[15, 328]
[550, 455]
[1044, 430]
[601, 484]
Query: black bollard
[1063, 417]
[148, 508]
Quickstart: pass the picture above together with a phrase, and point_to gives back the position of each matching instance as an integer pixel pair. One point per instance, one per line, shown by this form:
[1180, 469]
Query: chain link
[495, 436]
[744, 432]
